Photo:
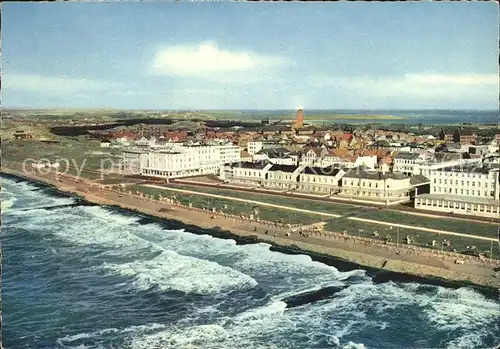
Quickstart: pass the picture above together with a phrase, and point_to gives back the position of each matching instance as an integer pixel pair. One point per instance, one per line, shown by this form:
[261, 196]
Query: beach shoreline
[344, 256]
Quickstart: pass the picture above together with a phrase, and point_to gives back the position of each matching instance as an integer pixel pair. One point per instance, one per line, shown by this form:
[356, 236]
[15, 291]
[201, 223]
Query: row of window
[459, 206]
[457, 191]
[459, 174]
[462, 182]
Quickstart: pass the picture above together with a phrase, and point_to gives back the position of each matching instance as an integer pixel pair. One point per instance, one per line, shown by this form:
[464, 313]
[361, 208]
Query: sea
[83, 276]
[409, 117]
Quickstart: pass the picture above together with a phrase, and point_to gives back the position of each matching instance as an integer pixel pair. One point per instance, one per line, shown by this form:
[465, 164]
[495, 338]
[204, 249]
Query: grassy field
[230, 206]
[355, 228]
[79, 154]
[446, 224]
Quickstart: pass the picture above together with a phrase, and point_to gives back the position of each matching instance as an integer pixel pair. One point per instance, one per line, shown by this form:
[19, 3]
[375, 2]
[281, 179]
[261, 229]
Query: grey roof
[419, 179]
[322, 171]
[465, 168]
[360, 172]
[274, 152]
[283, 168]
[447, 156]
[252, 165]
[407, 156]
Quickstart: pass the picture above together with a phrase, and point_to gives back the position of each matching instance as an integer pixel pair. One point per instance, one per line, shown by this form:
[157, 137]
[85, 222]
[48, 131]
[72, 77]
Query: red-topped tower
[299, 119]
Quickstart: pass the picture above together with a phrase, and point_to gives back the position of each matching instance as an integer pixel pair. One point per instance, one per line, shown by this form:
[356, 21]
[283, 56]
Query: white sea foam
[275, 308]
[69, 339]
[7, 200]
[170, 271]
[203, 336]
[351, 345]
[110, 216]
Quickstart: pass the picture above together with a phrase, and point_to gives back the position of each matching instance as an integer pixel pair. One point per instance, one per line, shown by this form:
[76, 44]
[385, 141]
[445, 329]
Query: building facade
[185, 161]
[283, 177]
[324, 180]
[390, 186]
[464, 190]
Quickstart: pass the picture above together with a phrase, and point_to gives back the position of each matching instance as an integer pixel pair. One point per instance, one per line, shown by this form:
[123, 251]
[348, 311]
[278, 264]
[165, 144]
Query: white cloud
[463, 79]
[207, 61]
[416, 85]
[57, 84]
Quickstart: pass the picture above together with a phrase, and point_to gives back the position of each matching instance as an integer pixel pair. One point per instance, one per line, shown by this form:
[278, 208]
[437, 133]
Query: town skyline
[227, 56]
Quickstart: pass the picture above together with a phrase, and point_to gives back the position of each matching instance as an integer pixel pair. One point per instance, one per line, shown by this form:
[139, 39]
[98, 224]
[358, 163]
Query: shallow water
[93, 277]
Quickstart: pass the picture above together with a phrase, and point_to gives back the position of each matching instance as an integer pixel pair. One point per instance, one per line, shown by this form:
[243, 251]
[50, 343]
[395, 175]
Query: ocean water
[412, 117]
[94, 277]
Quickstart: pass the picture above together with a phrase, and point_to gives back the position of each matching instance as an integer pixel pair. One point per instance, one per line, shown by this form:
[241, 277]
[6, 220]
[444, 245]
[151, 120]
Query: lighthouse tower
[299, 118]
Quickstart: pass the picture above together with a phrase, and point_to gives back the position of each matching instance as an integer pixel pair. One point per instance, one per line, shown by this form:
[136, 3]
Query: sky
[222, 55]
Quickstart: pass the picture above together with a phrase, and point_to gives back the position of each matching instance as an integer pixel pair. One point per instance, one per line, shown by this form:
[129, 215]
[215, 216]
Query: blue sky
[250, 55]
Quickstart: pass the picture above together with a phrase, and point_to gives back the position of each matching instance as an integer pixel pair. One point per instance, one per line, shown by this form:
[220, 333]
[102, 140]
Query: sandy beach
[385, 259]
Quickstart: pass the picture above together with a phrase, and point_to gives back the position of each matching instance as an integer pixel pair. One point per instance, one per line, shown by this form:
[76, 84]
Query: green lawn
[231, 206]
[80, 154]
[446, 224]
[422, 239]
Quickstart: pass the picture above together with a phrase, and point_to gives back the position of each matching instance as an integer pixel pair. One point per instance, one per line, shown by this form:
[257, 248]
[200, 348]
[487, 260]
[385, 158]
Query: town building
[193, 160]
[406, 163]
[283, 177]
[323, 180]
[133, 160]
[388, 186]
[105, 143]
[464, 136]
[469, 190]
[249, 173]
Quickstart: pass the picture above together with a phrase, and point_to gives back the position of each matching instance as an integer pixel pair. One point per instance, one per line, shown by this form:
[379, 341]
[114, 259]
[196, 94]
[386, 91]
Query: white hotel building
[463, 190]
[182, 161]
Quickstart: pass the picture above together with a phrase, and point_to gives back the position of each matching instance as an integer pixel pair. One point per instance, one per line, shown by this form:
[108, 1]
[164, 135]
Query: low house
[376, 185]
[313, 155]
[245, 156]
[445, 136]
[20, 134]
[323, 180]
[105, 143]
[283, 176]
[249, 173]
[405, 162]
[464, 136]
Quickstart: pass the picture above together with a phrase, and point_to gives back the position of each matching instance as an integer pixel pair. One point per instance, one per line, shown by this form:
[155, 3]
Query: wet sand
[381, 261]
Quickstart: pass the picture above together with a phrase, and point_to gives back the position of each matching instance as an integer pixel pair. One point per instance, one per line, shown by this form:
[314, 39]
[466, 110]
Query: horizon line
[238, 109]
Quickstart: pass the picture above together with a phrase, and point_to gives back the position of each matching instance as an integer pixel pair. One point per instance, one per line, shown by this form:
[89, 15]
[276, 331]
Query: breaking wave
[140, 284]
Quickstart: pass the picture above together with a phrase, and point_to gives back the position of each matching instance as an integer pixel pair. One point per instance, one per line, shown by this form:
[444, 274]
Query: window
[473, 183]
[462, 182]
